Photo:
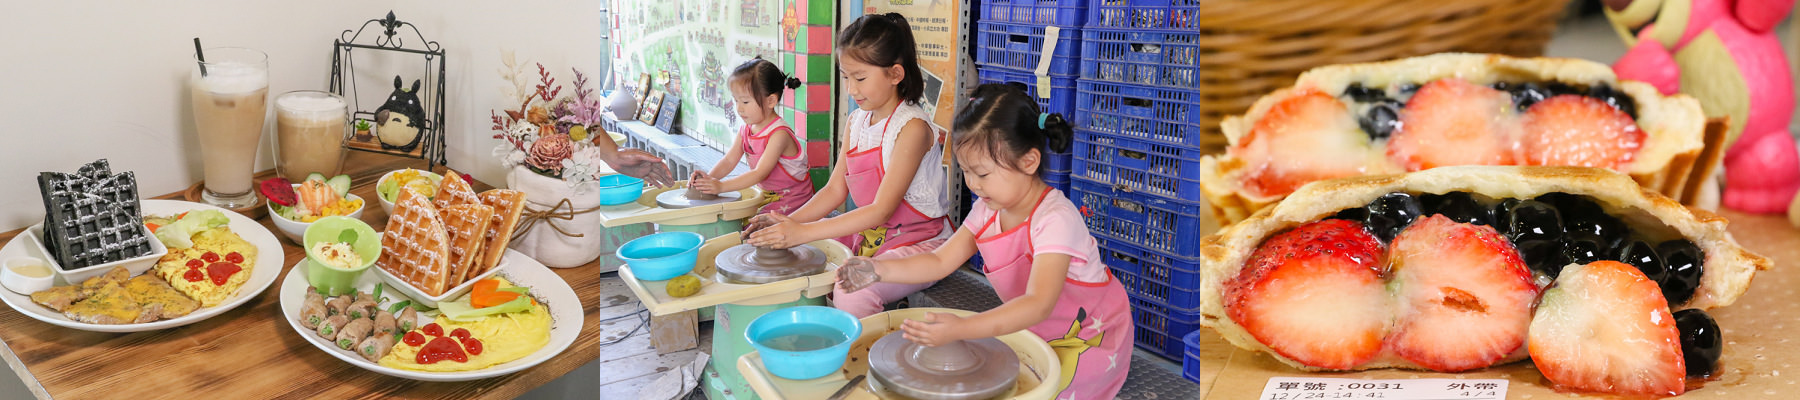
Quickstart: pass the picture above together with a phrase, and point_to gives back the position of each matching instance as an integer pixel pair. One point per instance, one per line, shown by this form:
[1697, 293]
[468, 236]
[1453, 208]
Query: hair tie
[1041, 118]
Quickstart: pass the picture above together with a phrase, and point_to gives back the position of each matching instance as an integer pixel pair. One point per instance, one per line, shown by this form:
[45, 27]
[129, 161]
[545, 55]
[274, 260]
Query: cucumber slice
[340, 184]
[316, 177]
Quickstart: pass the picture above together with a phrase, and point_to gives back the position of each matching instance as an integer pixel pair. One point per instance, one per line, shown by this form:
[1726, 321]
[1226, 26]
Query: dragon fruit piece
[279, 191]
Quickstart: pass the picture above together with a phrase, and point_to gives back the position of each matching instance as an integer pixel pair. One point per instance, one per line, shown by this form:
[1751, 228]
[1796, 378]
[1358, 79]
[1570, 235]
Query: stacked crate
[1035, 44]
[1136, 165]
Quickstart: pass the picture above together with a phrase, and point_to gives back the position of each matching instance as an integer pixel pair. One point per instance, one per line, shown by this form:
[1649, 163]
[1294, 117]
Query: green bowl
[331, 280]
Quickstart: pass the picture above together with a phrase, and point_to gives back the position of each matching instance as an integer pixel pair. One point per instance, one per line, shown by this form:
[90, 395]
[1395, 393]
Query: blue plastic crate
[1138, 57]
[1131, 165]
[1175, 272]
[1062, 89]
[1163, 115]
[1067, 13]
[1145, 14]
[1059, 162]
[1152, 222]
[1058, 180]
[1160, 329]
[1190, 360]
[1184, 300]
[1019, 47]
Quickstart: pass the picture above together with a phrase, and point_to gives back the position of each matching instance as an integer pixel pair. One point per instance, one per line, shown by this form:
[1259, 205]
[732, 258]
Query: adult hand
[936, 329]
[775, 231]
[856, 274]
[638, 164]
[703, 183]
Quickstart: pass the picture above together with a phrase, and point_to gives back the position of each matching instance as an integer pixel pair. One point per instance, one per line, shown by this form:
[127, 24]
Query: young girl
[891, 166]
[776, 151]
[1040, 257]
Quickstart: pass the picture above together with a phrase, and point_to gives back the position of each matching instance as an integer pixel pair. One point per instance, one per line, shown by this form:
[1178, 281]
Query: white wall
[81, 80]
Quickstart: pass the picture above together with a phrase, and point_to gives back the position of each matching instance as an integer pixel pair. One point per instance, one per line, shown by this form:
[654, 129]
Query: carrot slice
[498, 298]
[482, 294]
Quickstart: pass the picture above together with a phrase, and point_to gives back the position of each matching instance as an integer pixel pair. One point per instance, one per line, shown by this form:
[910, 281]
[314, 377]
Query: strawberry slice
[1464, 295]
[1314, 295]
[1454, 122]
[1581, 131]
[1604, 327]
[1305, 137]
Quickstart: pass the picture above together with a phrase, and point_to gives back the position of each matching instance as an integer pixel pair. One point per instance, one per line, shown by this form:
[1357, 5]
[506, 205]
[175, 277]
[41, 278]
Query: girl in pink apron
[890, 167]
[756, 88]
[1040, 257]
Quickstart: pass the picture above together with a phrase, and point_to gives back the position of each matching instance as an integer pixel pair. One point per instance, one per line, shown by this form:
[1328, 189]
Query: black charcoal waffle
[92, 217]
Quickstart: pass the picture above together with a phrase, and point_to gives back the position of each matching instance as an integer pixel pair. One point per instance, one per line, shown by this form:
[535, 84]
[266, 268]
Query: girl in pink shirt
[1040, 257]
[890, 165]
[777, 153]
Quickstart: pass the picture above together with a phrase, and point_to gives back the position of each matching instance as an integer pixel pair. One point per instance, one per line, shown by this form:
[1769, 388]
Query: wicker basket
[1249, 48]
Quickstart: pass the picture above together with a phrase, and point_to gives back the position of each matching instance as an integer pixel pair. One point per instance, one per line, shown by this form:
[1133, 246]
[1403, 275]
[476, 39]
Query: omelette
[215, 267]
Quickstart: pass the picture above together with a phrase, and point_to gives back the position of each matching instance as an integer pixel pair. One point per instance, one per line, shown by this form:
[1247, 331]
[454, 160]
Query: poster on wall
[935, 25]
[695, 44]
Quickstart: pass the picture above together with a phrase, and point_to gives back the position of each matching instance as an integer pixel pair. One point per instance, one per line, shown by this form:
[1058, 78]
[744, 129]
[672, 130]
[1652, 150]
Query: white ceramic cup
[14, 276]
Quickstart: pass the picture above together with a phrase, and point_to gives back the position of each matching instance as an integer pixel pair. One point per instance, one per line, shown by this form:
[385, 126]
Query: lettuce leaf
[461, 311]
[179, 235]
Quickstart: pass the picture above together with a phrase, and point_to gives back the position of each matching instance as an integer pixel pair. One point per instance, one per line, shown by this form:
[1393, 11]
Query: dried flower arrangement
[548, 134]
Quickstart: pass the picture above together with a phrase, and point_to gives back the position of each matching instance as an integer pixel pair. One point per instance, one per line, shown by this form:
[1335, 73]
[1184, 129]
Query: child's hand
[936, 329]
[856, 274]
[703, 183]
[775, 231]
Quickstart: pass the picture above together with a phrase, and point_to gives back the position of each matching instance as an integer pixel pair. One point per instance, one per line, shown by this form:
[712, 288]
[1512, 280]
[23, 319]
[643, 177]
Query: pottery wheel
[968, 369]
[751, 264]
[676, 199]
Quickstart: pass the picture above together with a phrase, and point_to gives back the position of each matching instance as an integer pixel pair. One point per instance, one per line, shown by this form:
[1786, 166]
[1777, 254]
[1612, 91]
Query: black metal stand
[431, 144]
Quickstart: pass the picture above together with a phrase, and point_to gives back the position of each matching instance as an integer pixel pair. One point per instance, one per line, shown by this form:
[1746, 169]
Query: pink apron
[907, 226]
[1090, 329]
[783, 192]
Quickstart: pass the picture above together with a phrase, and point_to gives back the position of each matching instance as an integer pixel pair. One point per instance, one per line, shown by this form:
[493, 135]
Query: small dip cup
[331, 280]
[16, 275]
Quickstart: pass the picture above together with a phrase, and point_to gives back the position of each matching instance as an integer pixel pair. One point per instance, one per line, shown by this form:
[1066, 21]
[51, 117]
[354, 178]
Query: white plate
[546, 287]
[269, 259]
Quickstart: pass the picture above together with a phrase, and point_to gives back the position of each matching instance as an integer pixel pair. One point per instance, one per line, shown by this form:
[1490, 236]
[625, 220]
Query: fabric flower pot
[555, 241]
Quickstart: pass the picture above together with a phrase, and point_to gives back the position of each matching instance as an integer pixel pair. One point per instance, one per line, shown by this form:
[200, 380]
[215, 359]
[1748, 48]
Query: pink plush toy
[1725, 54]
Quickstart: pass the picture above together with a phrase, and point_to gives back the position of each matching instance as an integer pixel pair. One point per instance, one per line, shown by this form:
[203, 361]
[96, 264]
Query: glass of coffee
[230, 91]
[310, 129]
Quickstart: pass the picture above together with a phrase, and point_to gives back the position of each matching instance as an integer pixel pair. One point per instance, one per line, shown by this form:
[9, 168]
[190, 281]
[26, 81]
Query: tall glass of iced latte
[310, 128]
[231, 101]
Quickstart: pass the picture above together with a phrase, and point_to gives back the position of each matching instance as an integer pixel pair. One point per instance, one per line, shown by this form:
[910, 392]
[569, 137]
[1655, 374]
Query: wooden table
[251, 352]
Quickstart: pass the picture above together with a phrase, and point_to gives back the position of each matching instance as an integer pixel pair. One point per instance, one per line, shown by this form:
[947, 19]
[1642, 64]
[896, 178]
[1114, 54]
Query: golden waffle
[415, 247]
[454, 190]
[468, 228]
[508, 205]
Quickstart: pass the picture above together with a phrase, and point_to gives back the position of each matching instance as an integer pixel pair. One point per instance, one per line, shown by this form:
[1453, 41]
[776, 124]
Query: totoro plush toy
[400, 119]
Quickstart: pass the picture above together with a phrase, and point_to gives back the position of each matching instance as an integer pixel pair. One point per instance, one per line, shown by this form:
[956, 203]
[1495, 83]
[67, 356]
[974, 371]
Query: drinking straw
[201, 56]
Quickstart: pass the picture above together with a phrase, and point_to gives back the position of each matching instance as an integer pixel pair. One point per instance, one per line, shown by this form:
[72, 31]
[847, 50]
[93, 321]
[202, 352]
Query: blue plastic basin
[662, 256]
[812, 329]
[619, 189]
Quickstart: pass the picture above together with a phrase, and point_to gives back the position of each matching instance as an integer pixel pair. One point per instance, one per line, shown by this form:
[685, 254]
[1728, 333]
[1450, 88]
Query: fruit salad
[312, 199]
[423, 182]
